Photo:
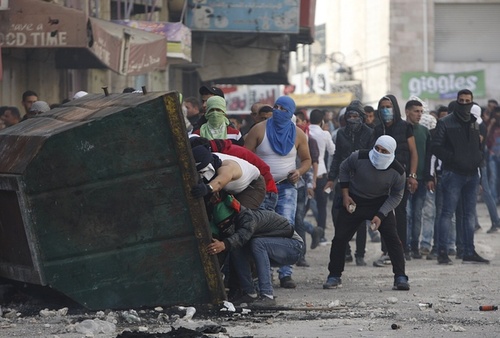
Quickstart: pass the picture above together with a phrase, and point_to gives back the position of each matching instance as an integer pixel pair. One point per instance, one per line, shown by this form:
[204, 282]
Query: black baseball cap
[204, 90]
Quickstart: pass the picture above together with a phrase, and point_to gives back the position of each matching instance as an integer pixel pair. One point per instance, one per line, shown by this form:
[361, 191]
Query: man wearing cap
[372, 184]
[278, 142]
[217, 125]
[206, 92]
[262, 235]
[36, 108]
[79, 95]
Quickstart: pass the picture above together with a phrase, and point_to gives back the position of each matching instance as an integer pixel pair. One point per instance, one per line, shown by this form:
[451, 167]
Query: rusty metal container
[95, 203]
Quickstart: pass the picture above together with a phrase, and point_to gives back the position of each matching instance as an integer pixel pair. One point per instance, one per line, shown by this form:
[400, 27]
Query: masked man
[354, 136]
[457, 143]
[261, 235]
[372, 184]
[229, 173]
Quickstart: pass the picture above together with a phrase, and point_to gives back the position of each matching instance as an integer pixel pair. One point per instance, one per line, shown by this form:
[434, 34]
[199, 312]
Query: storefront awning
[82, 42]
[322, 100]
[125, 50]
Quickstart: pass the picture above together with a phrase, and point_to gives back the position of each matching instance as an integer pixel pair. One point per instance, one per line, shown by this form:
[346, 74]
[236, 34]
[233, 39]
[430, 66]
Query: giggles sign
[442, 86]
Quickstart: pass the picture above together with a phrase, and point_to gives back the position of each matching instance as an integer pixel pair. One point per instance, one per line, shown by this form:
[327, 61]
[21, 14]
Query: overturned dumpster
[95, 203]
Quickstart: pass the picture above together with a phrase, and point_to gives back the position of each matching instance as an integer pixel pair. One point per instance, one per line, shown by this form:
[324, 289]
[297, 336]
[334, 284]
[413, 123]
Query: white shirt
[325, 143]
[280, 165]
[250, 173]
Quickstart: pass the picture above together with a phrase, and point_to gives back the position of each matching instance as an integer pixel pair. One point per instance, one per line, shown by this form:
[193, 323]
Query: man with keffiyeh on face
[278, 142]
[217, 125]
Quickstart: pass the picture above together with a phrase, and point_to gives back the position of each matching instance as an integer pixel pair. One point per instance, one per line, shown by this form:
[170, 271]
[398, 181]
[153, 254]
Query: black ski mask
[462, 110]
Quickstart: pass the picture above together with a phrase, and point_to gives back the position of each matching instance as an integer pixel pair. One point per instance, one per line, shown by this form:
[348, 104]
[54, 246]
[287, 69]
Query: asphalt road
[366, 305]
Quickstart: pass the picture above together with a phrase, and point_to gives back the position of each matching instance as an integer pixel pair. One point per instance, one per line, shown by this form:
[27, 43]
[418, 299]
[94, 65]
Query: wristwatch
[413, 175]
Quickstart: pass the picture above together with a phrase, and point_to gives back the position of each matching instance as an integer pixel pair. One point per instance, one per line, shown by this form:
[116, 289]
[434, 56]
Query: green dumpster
[95, 203]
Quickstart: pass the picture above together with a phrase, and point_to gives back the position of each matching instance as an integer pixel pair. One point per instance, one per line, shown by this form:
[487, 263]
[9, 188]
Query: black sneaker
[474, 259]
[432, 255]
[444, 259]
[302, 262]
[245, 299]
[492, 230]
[287, 283]
[360, 261]
[332, 283]
[416, 254]
[407, 256]
[401, 283]
[348, 258]
[317, 234]
[263, 302]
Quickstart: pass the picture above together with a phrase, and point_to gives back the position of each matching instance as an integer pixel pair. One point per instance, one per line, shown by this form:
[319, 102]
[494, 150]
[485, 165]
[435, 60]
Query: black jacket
[457, 145]
[345, 144]
[258, 223]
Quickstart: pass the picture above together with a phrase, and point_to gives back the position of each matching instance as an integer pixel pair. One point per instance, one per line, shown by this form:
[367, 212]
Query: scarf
[280, 129]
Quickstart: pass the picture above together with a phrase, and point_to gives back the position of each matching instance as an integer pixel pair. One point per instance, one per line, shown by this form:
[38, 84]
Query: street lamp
[339, 58]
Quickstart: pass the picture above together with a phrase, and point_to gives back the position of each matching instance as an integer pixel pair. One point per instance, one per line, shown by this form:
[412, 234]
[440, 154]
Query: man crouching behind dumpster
[263, 235]
[372, 184]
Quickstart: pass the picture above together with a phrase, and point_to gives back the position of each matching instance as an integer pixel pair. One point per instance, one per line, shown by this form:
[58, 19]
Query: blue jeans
[270, 201]
[428, 219]
[456, 187]
[286, 207]
[274, 251]
[488, 198]
[493, 165]
[439, 206]
[415, 207]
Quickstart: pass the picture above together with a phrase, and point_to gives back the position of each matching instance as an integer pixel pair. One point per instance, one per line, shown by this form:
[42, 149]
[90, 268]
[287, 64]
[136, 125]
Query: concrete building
[427, 48]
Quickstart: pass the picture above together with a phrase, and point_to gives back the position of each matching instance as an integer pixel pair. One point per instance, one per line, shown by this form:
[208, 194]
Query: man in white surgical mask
[372, 184]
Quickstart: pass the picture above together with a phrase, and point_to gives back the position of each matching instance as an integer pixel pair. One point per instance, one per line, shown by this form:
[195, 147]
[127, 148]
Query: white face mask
[208, 172]
[380, 161]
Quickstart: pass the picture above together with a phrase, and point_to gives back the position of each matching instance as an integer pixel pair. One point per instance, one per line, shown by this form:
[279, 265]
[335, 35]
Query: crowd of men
[413, 180]
[410, 183]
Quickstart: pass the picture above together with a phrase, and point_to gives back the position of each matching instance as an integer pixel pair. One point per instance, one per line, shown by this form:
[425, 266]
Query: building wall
[35, 69]
[381, 39]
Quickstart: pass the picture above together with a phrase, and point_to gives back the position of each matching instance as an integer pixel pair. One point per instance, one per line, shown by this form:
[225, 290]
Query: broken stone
[335, 303]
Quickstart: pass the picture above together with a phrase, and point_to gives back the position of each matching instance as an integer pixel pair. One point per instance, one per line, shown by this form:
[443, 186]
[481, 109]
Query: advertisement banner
[262, 16]
[436, 86]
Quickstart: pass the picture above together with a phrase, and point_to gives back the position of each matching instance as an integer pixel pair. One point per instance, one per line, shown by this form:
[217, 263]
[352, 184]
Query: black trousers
[348, 224]
[360, 234]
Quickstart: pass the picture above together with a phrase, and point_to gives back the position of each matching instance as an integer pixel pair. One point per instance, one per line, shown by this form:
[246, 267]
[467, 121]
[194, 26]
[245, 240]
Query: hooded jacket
[400, 130]
[348, 141]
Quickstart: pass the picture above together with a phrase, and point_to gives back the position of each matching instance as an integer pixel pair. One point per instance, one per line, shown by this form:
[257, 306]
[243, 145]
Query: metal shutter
[467, 32]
